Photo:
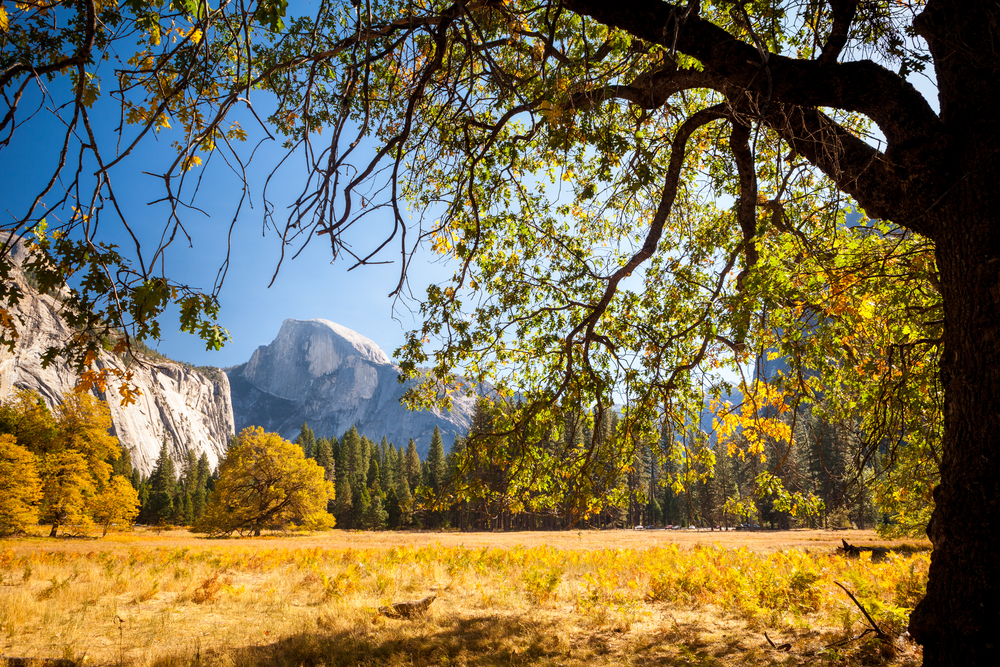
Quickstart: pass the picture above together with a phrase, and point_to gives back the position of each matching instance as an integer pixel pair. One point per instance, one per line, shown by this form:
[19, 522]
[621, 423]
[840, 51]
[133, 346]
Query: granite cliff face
[191, 408]
[324, 374]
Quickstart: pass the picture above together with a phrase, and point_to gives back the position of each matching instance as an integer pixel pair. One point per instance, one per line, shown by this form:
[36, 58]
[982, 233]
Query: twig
[782, 647]
[881, 635]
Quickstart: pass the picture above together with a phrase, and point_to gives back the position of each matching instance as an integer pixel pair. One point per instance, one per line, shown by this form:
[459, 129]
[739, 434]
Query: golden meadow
[293, 601]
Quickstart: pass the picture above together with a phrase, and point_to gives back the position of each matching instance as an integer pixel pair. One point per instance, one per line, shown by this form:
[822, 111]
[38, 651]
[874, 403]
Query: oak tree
[266, 481]
[20, 487]
[116, 505]
[634, 194]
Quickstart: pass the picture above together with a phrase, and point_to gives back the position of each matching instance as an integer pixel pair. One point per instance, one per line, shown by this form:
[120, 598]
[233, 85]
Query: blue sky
[308, 287]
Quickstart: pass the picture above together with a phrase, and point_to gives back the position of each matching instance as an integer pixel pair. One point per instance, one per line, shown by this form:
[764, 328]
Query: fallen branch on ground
[407, 609]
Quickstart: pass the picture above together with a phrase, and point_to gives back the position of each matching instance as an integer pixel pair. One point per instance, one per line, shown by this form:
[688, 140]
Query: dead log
[879, 554]
[407, 609]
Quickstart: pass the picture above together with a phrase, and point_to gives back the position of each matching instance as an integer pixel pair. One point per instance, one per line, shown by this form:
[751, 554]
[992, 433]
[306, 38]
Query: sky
[308, 287]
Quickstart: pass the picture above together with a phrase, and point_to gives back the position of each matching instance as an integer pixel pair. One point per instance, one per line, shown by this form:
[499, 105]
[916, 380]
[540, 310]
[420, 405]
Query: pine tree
[204, 472]
[307, 441]
[412, 465]
[198, 502]
[354, 462]
[373, 480]
[343, 501]
[375, 515]
[393, 467]
[359, 506]
[436, 471]
[385, 450]
[324, 457]
[162, 489]
[122, 465]
[393, 510]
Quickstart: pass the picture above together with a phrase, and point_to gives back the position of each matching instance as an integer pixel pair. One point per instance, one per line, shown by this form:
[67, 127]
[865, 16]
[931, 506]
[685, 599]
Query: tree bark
[958, 622]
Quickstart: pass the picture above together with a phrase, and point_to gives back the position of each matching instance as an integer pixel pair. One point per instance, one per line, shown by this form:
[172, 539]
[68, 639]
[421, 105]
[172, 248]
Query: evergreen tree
[354, 461]
[436, 471]
[359, 506]
[186, 514]
[393, 461]
[204, 472]
[412, 465]
[343, 501]
[198, 502]
[385, 463]
[122, 465]
[307, 441]
[375, 516]
[393, 510]
[405, 497]
[162, 489]
[374, 477]
[324, 457]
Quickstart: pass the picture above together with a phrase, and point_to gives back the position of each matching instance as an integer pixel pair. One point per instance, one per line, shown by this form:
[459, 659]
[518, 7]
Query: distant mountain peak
[331, 377]
[365, 347]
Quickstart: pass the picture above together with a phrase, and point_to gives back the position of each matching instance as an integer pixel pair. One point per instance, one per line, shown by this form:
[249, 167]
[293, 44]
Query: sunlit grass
[261, 605]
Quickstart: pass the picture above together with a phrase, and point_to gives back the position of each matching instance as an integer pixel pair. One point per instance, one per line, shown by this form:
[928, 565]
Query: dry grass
[527, 598]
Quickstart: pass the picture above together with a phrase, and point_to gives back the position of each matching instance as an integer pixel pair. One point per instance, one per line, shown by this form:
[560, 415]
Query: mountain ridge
[331, 377]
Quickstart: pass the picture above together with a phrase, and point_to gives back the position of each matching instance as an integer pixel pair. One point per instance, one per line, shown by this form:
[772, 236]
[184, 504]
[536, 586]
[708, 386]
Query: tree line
[684, 477]
[63, 468]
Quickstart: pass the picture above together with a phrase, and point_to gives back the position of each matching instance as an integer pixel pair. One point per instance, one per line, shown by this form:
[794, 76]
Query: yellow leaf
[3, 19]
[191, 161]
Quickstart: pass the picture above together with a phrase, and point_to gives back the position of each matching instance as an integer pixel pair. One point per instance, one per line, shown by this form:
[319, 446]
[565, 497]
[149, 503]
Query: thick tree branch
[903, 115]
[843, 16]
[649, 91]
[746, 211]
[667, 197]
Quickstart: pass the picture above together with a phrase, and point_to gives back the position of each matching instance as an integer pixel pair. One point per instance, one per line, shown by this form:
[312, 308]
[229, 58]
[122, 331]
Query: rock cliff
[331, 377]
[192, 408]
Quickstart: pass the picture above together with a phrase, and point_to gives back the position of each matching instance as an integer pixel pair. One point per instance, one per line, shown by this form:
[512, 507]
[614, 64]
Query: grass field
[566, 598]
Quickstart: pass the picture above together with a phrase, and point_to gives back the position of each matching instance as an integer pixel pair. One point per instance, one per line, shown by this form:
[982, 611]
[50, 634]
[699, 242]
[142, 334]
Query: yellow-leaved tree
[117, 504]
[67, 490]
[20, 488]
[70, 450]
[266, 481]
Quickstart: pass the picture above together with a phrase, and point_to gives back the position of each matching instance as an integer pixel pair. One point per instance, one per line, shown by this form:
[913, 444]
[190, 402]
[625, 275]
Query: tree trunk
[958, 622]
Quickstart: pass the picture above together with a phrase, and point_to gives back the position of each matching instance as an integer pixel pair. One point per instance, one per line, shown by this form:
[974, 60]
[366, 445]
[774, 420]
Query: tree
[159, 506]
[117, 504]
[579, 159]
[266, 481]
[436, 468]
[324, 457]
[20, 487]
[84, 424]
[67, 490]
[25, 416]
[411, 465]
[307, 441]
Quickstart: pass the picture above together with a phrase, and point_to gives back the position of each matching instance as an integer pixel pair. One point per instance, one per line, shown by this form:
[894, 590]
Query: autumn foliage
[266, 481]
[56, 466]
